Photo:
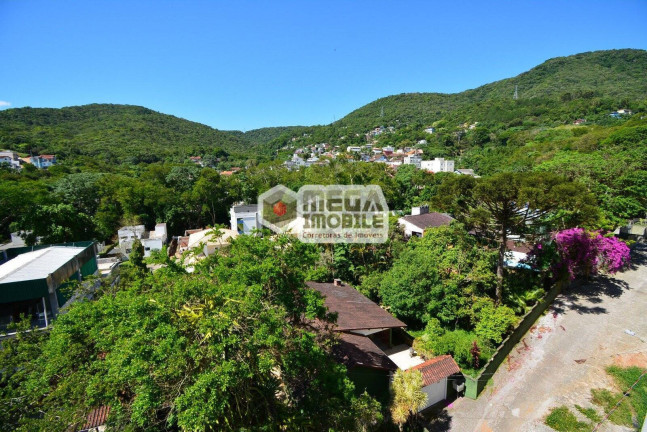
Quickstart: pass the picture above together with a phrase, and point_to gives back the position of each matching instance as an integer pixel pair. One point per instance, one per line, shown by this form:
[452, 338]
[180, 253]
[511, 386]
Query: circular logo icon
[279, 208]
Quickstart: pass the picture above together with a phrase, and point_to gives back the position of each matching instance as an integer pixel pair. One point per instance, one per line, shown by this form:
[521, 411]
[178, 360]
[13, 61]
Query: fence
[474, 386]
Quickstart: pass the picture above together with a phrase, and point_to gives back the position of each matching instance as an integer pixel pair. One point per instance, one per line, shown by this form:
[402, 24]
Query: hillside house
[151, 240]
[437, 165]
[420, 220]
[413, 159]
[10, 158]
[36, 281]
[43, 161]
[373, 344]
[245, 218]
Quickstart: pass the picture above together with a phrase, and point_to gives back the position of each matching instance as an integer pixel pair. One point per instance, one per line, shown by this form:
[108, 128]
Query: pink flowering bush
[584, 253]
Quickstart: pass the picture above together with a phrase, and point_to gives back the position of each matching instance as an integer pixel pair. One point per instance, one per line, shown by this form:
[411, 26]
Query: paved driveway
[563, 357]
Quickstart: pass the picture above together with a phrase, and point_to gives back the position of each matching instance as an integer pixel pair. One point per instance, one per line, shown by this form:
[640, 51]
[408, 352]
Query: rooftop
[354, 310]
[38, 264]
[436, 369]
[251, 208]
[355, 350]
[429, 220]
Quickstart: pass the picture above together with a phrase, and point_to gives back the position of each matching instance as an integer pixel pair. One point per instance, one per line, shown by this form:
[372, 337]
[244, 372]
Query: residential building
[151, 240]
[420, 220]
[413, 160]
[209, 240]
[435, 379]
[516, 254]
[388, 150]
[373, 344]
[8, 157]
[43, 161]
[437, 165]
[430, 130]
[353, 149]
[35, 280]
[196, 160]
[245, 218]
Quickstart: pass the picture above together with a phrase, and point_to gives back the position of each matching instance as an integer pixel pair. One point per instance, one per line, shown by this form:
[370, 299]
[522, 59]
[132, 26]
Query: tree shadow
[431, 420]
[593, 291]
[638, 255]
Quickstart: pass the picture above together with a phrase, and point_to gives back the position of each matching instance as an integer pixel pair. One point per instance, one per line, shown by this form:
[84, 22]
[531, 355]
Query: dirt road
[563, 357]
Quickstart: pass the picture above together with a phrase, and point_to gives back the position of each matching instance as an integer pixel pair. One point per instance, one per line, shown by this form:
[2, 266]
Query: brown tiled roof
[436, 369]
[354, 310]
[356, 350]
[97, 417]
[517, 246]
[429, 220]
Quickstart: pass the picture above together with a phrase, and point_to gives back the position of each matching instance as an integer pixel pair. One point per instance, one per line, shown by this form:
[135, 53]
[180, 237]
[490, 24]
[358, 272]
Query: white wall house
[244, 218]
[353, 149]
[435, 378]
[420, 220]
[151, 240]
[438, 165]
[10, 158]
[413, 160]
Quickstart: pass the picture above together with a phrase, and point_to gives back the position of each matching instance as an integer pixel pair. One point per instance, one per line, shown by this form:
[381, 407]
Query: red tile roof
[429, 220]
[436, 369]
[356, 350]
[97, 417]
[354, 310]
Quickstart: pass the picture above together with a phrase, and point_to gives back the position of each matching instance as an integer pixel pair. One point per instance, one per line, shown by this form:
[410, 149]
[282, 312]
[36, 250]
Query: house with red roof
[373, 345]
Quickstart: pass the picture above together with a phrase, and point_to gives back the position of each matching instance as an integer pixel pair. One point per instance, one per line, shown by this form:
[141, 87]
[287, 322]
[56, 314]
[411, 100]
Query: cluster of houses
[13, 160]
[321, 154]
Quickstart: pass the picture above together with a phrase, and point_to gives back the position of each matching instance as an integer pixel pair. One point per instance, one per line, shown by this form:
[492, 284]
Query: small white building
[151, 240]
[435, 378]
[438, 165]
[413, 160]
[211, 239]
[353, 149]
[245, 218]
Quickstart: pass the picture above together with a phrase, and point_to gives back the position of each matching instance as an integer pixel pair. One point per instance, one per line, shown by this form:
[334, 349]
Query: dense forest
[155, 346]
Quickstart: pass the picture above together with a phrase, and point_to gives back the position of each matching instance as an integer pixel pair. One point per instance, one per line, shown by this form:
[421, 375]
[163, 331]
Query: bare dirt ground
[563, 357]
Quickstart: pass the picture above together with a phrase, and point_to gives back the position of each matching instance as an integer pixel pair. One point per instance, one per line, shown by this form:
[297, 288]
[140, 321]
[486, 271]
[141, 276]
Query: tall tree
[516, 203]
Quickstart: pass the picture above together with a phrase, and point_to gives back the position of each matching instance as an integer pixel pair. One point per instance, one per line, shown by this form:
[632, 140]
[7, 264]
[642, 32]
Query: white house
[413, 160]
[353, 149]
[420, 220]
[245, 218]
[211, 239]
[438, 165]
[430, 130]
[10, 158]
[151, 240]
[435, 378]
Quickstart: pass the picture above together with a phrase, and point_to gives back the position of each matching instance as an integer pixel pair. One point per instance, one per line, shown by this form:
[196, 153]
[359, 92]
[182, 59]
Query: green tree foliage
[229, 347]
[436, 276]
[136, 256]
[408, 397]
[516, 203]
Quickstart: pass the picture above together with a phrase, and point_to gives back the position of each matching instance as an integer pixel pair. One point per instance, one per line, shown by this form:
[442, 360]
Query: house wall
[435, 392]
[409, 228]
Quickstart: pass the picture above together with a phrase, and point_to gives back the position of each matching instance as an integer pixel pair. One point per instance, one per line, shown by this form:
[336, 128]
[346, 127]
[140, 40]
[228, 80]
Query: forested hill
[613, 74]
[112, 133]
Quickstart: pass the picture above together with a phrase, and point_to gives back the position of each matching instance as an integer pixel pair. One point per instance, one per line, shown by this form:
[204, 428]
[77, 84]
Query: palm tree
[408, 396]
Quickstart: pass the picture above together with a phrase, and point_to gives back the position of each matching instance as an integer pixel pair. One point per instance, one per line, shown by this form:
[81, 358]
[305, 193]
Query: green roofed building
[35, 281]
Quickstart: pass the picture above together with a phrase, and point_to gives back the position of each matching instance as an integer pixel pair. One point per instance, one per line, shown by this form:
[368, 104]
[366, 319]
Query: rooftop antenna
[516, 93]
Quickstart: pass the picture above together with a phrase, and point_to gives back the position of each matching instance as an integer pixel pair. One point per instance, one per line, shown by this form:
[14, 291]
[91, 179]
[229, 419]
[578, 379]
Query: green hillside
[615, 74]
[112, 133]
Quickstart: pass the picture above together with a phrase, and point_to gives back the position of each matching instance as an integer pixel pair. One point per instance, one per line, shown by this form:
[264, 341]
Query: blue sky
[244, 65]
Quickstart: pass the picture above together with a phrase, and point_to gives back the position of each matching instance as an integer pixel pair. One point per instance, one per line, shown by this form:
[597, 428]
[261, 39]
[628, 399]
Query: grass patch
[633, 408]
[589, 413]
[563, 420]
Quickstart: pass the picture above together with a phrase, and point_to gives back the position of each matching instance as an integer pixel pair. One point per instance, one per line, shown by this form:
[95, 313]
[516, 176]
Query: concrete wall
[474, 386]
